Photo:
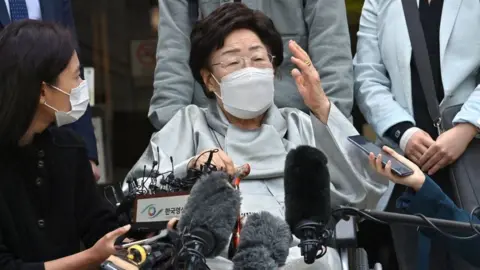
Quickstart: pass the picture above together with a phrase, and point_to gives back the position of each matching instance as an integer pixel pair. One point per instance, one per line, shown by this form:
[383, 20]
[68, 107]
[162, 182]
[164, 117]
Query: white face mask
[79, 99]
[248, 92]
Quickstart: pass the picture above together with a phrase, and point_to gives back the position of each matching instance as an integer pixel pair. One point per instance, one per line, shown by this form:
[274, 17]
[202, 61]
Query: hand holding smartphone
[368, 147]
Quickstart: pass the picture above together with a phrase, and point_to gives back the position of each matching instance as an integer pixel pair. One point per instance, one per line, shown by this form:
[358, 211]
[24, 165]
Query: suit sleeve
[432, 202]
[173, 81]
[83, 126]
[372, 83]
[470, 112]
[330, 50]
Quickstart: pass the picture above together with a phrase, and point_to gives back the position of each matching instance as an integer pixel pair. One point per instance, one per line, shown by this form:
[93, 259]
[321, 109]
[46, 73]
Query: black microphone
[208, 218]
[264, 243]
[307, 200]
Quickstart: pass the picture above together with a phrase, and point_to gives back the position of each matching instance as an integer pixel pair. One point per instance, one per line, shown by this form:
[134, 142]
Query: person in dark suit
[424, 196]
[60, 12]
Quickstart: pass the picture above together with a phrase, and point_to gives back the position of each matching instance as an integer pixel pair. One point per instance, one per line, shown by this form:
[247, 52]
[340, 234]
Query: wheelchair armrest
[346, 233]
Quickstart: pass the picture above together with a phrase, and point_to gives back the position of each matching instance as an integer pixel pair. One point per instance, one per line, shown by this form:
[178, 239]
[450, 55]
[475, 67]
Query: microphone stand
[404, 219]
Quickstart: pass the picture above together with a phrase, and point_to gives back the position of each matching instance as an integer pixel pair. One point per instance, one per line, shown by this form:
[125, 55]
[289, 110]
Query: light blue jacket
[382, 63]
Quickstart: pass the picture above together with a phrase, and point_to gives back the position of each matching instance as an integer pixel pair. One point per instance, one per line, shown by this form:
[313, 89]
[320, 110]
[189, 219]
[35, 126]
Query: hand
[308, 83]
[95, 170]
[414, 181]
[449, 146]
[105, 247]
[219, 159]
[172, 224]
[417, 145]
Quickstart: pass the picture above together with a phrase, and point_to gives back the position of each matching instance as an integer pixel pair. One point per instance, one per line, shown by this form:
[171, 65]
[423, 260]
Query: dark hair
[209, 35]
[31, 52]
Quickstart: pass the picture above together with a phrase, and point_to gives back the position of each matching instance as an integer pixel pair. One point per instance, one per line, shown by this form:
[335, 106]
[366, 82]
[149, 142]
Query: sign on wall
[143, 58]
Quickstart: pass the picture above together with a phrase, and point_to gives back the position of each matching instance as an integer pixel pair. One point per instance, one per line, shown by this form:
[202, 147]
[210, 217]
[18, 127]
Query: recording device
[203, 230]
[156, 197]
[208, 219]
[307, 200]
[368, 147]
[264, 243]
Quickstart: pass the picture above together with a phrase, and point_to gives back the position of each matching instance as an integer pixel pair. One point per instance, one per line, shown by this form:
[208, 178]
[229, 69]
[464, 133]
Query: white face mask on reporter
[248, 92]
[79, 99]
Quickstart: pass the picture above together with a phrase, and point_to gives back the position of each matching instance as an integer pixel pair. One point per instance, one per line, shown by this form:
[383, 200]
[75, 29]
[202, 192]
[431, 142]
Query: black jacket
[48, 201]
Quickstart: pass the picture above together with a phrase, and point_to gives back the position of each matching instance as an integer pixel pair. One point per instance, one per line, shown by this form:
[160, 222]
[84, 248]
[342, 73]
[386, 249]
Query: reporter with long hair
[48, 199]
[424, 196]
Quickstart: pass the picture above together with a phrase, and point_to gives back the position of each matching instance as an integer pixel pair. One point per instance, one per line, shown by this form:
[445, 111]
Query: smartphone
[368, 147]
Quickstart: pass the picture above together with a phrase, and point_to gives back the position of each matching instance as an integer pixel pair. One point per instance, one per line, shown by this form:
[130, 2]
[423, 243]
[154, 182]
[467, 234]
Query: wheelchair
[351, 256]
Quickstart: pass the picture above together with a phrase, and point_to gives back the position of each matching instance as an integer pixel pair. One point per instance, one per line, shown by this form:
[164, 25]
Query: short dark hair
[31, 52]
[209, 35]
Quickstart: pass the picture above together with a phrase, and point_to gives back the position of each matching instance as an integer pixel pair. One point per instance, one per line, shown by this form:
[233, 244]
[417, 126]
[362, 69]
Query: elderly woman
[235, 51]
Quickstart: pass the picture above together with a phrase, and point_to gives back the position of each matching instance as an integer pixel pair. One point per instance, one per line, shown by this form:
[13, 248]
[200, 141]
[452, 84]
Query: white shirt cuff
[406, 137]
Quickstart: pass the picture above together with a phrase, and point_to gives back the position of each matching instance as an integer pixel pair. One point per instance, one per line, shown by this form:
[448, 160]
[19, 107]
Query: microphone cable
[351, 211]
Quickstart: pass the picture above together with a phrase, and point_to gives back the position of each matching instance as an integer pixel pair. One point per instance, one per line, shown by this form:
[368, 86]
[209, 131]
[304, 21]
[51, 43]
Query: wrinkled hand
[449, 146]
[414, 181]
[418, 145]
[105, 247]
[95, 170]
[308, 83]
[219, 159]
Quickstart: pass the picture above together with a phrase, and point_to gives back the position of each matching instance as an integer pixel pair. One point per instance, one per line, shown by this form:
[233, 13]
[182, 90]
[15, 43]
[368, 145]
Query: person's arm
[432, 202]
[83, 126]
[470, 112]
[95, 216]
[372, 83]
[173, 81]
[330, 50]
[353, 182]
[82, 260]
[425, 197]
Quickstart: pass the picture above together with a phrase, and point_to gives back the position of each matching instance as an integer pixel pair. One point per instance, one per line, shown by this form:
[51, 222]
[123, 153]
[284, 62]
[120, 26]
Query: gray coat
[319, 26]
[195, 129]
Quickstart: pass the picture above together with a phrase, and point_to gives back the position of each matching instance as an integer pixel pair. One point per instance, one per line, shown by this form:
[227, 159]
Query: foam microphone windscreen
[262, 238]
[307, 186]
[213, 205]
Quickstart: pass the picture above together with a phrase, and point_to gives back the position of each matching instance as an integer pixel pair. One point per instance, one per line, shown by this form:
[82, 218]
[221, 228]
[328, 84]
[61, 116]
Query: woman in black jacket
[48, 199]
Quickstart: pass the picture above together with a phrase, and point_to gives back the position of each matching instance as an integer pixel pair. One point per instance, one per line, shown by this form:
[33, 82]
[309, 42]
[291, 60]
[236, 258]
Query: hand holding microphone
[105, 247]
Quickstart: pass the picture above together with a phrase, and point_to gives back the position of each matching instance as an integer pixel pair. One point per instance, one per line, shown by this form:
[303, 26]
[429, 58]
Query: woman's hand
[219, 159]
[449, 146]
[95, 170]
[414, 181]
[105, 247]
[418, 145]
[172, 224]
[308, 83]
